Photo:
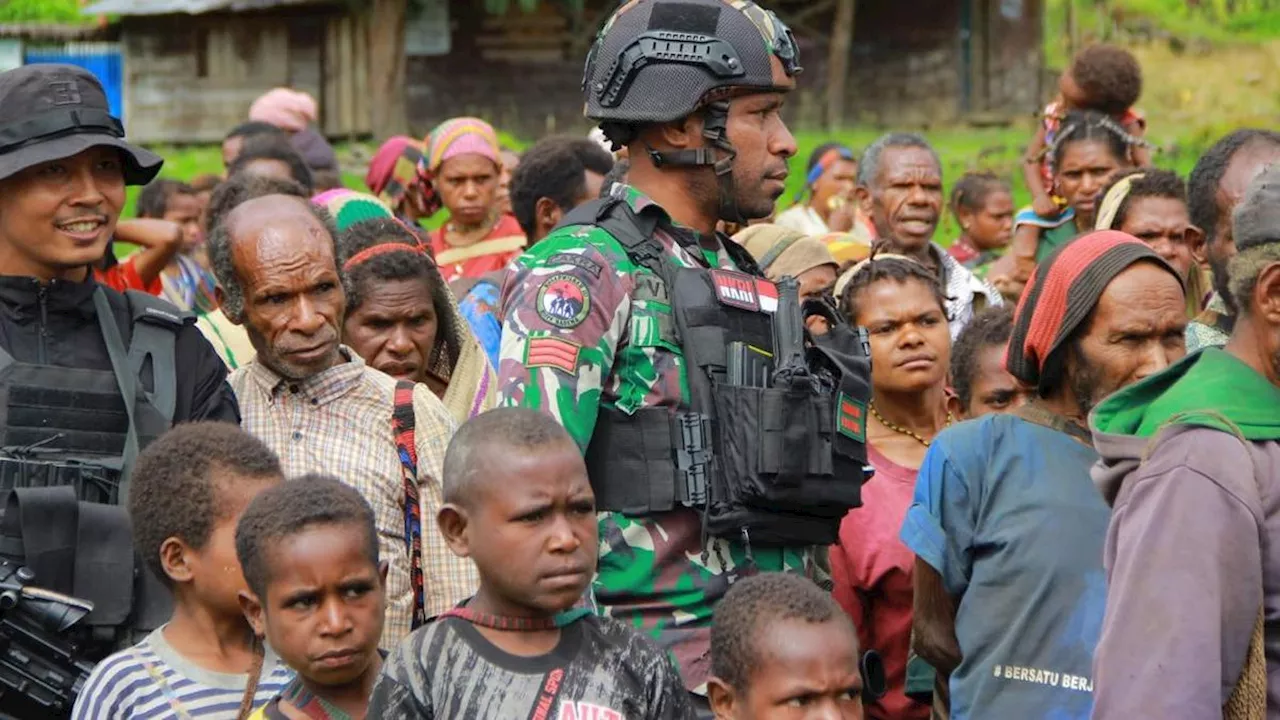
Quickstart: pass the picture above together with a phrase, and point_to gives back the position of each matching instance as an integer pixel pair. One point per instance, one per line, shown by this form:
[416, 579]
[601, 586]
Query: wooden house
[914, 62]
[192, 67]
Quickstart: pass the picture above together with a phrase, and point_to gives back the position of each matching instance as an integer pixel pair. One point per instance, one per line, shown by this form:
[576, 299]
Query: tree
[388, 112]
[838, 62]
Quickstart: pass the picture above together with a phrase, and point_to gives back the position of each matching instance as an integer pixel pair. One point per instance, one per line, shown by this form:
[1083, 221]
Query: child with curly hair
[1101, 78]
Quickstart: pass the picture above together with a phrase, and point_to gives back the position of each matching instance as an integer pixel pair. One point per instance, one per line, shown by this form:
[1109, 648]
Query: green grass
[42, 11]
[1212, 22]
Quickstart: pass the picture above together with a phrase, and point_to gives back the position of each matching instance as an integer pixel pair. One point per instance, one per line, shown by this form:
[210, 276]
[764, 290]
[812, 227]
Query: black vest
[68, 439]
[771, 448]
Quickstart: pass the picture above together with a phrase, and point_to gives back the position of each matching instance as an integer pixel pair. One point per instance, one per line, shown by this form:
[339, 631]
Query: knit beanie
[349, 207]
[1062, 294]
[1257, 217]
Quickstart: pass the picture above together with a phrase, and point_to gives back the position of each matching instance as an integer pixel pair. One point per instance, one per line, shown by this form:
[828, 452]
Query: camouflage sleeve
[564, 304]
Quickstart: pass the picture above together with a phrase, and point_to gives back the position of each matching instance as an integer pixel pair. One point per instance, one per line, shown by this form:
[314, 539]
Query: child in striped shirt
[188, 490]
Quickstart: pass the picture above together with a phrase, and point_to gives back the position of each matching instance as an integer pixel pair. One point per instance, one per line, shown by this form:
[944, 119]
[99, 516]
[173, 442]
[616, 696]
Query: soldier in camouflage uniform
[587, 329]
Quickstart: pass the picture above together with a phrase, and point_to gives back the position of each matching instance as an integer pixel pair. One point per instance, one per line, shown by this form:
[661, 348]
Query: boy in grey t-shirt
[518, 503]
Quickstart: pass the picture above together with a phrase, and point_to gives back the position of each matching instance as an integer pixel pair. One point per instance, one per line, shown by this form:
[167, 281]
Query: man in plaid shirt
[316, 403]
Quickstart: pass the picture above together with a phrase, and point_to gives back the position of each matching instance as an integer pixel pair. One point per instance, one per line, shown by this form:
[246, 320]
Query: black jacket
[56, 324]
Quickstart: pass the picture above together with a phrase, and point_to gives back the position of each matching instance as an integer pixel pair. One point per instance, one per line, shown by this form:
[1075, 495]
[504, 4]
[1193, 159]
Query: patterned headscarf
[1061, 295]
[461, 136]
[457, 357]
[394, 172]
[289, 110]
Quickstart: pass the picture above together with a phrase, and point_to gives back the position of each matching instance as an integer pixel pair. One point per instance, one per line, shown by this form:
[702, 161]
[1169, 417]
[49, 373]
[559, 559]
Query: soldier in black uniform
[88, 376]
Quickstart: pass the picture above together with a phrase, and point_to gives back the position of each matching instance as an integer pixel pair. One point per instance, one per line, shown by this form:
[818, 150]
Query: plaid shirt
[339, 423]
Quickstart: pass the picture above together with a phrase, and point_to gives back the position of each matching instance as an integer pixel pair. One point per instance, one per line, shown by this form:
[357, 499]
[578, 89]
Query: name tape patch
[851, 418]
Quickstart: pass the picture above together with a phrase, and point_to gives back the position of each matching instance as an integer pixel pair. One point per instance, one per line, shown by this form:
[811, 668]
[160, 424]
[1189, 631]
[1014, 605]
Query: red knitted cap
[1062, 294]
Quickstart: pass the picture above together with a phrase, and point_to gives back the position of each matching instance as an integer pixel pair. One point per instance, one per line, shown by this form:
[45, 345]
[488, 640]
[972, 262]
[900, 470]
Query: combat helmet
[658, 61]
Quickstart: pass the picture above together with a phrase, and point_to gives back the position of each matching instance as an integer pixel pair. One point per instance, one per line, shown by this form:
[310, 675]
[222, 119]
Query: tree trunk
[387, 68]
[838, 62]
[1072, 30]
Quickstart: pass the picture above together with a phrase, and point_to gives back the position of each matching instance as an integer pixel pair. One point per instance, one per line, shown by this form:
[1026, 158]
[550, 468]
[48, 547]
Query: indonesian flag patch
[851, 418]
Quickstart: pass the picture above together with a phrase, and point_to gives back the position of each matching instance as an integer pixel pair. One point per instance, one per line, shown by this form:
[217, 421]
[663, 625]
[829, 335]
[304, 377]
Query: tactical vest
[68, 440]
[770, 450]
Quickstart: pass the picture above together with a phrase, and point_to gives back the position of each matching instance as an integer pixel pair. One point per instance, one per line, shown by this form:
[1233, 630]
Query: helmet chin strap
[713, 131]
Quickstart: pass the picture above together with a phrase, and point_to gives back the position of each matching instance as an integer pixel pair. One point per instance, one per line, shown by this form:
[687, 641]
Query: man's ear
[221, 296]
[1197, 243]
[863, 195]
[722, 698]
[547, 213]
[253, 611]
[1267, 294]
[681, 134]
[175, 558]
[453, 523]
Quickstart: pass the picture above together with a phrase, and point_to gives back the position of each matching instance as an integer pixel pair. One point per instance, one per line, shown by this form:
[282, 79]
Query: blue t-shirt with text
[1005, 511]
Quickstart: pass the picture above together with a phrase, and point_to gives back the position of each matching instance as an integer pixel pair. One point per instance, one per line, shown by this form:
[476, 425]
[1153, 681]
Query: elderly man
[1006, 526]
[317, 404]
[1191, 465]
[900, 189]
[1217, 183]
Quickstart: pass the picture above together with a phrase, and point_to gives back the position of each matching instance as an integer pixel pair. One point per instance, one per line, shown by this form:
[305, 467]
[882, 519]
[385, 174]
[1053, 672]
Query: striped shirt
[125, 686]
[338, 422]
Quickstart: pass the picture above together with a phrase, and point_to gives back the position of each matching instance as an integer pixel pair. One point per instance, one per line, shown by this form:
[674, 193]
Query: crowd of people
[621, 438]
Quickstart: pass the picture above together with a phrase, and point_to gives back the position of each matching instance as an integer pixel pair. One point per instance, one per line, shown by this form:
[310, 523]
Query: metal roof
[53, 31]
[183, 7]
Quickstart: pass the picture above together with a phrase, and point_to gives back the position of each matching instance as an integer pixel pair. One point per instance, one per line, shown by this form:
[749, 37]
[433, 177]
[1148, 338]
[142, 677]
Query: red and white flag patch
[552, 352]
[768, 293]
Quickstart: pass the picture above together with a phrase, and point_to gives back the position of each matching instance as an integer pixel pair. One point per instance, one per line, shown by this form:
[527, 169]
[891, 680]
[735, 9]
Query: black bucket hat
[50, 112]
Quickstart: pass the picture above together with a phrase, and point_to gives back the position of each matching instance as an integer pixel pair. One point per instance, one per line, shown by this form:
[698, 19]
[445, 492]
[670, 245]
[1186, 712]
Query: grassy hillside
[45, 11]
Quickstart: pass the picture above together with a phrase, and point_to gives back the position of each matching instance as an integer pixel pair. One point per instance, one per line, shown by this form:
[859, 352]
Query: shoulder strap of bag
[404, 423]
[1033, 413]
[155, 335]
[126, 380]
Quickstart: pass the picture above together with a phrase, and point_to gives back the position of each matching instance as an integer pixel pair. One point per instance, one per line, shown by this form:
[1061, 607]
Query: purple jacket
[1192, 550]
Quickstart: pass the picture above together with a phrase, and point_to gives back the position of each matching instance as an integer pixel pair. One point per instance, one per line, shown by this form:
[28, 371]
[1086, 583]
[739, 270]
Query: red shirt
[873, 571]
[124, 276]
[503, 244]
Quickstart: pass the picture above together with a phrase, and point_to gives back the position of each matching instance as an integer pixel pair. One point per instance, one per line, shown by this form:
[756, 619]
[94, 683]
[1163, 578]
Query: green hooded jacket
[1211, 388]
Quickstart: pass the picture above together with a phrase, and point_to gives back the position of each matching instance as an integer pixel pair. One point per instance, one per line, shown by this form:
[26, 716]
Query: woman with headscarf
[826, 202]
[1151, 205]
[465, 167]
[401, 317]
[903, 308]
[395, 176]
[296, 113]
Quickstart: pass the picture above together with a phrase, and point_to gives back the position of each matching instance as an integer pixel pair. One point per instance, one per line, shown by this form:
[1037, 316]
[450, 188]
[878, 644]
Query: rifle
[41, 665]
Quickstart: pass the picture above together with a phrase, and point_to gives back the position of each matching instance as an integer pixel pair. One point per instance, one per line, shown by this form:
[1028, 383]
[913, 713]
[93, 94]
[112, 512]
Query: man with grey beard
[1191, 465]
